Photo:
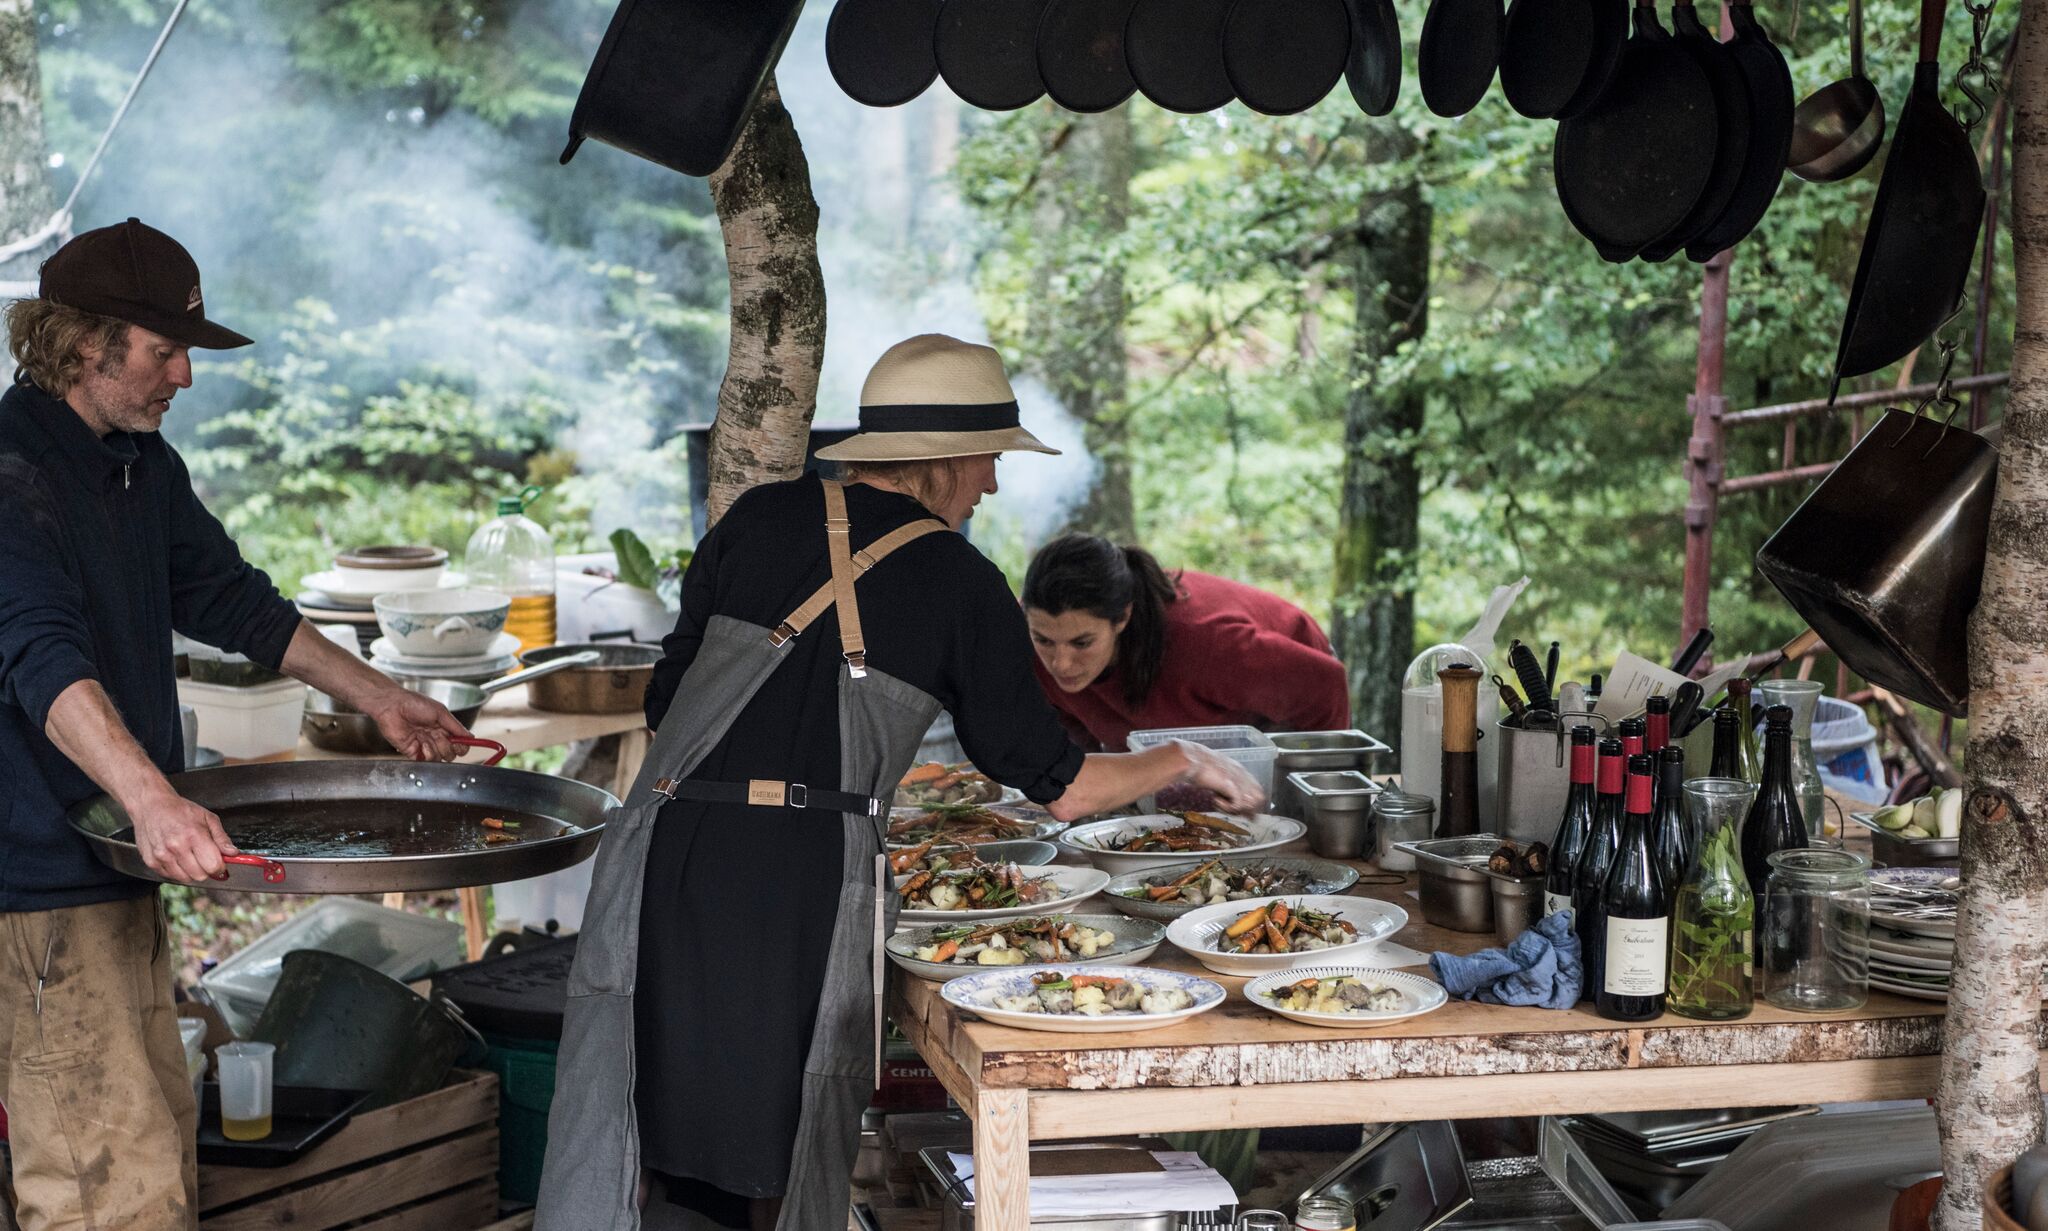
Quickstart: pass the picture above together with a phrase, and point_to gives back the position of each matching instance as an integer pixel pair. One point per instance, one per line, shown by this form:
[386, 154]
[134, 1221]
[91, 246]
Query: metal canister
[1535, 776]
[1400, 817]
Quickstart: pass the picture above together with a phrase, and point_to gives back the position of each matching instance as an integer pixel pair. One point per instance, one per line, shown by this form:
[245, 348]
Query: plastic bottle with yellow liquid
[515, 555]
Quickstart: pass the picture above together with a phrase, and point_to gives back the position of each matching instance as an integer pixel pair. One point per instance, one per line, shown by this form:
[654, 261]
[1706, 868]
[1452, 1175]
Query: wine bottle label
[1636, 950]
[1556, 903]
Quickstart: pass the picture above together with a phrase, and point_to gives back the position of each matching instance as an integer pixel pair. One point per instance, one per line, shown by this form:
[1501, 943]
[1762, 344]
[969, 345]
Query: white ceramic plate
[977, 993]
[1136, 940]
[351, 593]
[1908, 989]
[1037, 822]
[1096, 841]
[503, 646]
[1196, 932]
[1911, 878]
[1325, 876]
[1418, 995]
[1072, 886]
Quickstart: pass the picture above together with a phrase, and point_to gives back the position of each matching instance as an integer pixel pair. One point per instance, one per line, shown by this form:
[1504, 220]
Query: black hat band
[987, 417]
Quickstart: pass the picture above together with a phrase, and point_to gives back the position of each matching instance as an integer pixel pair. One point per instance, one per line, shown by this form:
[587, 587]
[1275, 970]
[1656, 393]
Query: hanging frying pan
[1174, 49]
[673, 83]
[1631, 166]
[1374, 69]
[1771, 104]
[1458, 53]
[987, 52]
[880, 51]
[1081, 53]
[1283, 56]
[1923, 227]
[1546, 50]
[1731, 147]
[1610, 34]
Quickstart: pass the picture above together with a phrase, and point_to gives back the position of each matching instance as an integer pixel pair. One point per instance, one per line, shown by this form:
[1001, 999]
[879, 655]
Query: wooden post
[1703, 451]
[1002, 1160]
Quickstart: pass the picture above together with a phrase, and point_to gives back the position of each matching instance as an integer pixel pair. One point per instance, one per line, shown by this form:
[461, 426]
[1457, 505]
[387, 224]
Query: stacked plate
[1913, 930]
[344, 593]
[500, 657]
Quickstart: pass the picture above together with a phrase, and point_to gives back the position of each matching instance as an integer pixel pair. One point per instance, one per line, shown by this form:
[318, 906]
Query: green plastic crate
[526, 1086]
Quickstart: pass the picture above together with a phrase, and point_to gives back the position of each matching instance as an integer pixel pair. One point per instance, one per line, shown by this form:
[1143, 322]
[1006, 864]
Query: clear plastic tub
[402, 945]
[1248, 746]
[256, 723]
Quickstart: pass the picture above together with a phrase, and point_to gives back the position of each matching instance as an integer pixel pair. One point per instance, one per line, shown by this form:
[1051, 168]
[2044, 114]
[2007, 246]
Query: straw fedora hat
[932, 396]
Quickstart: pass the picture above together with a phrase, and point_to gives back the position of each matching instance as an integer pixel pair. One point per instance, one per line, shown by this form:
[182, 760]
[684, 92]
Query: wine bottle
[1775, 822]
[1635, 907]
[1590, 877]
[1656, 723]
[1671, 839]
[1745, 731]
[1573, 827]
[1727, 761]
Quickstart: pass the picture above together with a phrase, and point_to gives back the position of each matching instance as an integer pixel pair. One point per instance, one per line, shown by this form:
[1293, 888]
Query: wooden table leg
[633, 746]
[476, 930]
[1002, 1161]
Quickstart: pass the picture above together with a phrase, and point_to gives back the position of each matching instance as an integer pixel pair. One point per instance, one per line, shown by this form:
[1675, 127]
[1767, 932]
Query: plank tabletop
[508, 718]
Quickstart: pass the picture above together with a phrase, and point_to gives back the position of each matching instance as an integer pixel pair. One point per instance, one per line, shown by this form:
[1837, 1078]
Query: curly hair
[49, 341]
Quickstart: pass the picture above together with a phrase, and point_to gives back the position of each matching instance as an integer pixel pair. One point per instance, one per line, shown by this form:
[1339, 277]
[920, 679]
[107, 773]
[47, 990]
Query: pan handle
[588, 658]
[273, 871]
[471, 742]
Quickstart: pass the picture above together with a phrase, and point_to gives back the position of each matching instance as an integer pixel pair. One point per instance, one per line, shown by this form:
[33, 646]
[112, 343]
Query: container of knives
[1535, 773]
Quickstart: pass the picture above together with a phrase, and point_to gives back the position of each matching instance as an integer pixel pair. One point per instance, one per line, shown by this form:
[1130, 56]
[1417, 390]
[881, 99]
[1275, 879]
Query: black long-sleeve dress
[739, 906]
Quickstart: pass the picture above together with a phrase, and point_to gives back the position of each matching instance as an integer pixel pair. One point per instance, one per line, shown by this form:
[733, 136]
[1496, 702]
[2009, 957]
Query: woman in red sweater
[1123, 646]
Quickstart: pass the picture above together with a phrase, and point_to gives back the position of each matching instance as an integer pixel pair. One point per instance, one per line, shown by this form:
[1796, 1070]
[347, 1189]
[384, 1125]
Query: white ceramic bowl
[442, 623]
[977, 994]
[392, 580]
[1418, 995]
[1089, 841]
[1196, 932]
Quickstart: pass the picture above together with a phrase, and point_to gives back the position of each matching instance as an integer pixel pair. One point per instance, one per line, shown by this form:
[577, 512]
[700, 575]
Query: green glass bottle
[1747, 758]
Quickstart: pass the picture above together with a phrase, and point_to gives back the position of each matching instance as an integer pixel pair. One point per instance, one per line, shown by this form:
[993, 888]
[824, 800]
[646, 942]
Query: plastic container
[1845, 750]
[526, 1088]
[399, 944]
[512, 554]
[259, 723]
[1248, 746]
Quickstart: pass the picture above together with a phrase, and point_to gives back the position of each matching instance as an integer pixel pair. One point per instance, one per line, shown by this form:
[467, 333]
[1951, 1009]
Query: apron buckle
[799, 795]
[666, 788]
[857, 664]
[782, 635]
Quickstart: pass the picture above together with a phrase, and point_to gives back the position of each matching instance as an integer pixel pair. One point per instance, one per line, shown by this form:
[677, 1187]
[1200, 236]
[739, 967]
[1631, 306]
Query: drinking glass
[1803, 698]
[244, 1090]
[1713, 913]
[1815, 940]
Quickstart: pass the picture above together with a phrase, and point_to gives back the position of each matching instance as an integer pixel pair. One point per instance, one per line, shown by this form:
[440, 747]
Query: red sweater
[1234, 655]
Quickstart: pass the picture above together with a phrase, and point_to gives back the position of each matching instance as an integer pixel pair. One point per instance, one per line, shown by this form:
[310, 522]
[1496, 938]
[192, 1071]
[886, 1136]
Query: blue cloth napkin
[1542, 967]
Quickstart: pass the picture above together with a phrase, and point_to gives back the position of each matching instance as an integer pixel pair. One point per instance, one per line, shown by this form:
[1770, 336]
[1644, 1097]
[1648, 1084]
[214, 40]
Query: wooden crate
[427, 1164]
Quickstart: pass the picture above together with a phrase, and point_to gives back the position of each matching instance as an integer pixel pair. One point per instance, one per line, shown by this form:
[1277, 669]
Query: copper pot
[615, 684]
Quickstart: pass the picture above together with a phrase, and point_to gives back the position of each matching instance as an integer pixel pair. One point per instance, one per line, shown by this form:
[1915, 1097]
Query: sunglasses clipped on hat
[932, 396]
[135, 273]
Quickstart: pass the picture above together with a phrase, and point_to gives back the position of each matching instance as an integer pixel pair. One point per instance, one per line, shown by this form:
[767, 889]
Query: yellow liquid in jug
[532, 620]
[245, 1130]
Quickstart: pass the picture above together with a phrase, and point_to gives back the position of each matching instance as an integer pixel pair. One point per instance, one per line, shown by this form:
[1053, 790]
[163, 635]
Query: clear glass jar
[1263, 1220]
[1713, 913]
[1802, 697]
[1324, 1214]
[514, 556]
[1814, 942]
[1400, 817]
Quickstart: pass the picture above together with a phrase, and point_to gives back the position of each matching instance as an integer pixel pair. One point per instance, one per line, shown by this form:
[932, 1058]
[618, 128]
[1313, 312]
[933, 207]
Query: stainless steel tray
[1407, 1177]
[1890, 850]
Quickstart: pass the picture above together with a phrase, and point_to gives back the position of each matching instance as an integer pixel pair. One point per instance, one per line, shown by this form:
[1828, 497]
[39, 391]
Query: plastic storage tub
[1845, 752]
[259, 723]
[402, 945]
[1248, 746]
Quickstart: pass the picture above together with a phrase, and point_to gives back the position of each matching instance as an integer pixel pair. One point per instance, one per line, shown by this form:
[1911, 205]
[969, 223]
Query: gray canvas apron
[593, 1161]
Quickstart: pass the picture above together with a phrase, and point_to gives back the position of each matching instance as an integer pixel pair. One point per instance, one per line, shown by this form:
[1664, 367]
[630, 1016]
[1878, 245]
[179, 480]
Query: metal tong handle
[470, 741]
[273, 871]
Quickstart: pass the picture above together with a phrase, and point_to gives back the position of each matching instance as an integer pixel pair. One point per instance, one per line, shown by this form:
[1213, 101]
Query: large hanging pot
[673, 80]
[340, 1025]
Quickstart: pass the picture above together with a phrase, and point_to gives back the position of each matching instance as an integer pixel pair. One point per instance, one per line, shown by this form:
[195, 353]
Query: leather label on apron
[764, 793]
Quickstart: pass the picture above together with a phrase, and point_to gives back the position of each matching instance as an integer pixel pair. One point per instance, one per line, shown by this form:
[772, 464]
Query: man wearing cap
[106, 552]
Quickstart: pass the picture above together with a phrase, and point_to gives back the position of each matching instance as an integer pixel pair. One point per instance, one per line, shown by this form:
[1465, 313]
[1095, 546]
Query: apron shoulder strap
[845, 562]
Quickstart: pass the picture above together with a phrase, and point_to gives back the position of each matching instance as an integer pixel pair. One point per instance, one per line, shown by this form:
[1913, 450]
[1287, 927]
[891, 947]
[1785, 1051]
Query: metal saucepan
[615, 684]
[334, 725]
[373, 826]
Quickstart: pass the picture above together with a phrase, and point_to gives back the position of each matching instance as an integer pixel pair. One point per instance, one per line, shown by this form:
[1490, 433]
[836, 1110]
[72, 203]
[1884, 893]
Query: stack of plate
[1913, 930]
[344, 594]
[502, 656]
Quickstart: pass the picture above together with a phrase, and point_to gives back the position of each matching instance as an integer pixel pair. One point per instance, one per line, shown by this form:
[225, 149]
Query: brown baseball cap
[135, 273]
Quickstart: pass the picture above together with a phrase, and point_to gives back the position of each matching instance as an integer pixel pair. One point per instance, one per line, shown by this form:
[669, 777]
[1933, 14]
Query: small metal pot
[1457, 893]
[615, 684]
[334, 725]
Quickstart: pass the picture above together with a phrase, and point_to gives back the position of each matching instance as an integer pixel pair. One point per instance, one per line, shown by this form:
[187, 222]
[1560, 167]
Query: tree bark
[770, 223]
[1076, 324]
[1373, 625]
[25, 197]
[1990, 1101]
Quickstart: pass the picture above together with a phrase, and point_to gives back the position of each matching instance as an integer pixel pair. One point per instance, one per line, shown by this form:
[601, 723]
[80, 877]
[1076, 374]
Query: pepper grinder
[1458, 812]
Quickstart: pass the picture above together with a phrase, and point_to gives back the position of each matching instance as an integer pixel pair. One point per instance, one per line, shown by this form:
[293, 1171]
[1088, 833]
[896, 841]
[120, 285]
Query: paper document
[1184, 1182]
[1636, 679]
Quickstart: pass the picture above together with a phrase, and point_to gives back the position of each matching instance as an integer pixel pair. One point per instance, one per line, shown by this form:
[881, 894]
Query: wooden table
[1240, 1066]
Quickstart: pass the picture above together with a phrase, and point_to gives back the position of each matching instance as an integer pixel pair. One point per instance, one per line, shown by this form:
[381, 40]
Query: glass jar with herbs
[1713, 918]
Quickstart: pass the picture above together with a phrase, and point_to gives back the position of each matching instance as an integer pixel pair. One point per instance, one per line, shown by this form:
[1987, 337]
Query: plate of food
[936, 783]
[968, 824]
[1259, 935]
[1344, 996]
[1140, 843]
[1083, 999]
[1172, 891]
[945, 890]
[948, 950]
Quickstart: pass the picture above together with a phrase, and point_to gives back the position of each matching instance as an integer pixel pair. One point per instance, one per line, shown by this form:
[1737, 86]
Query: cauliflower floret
[1092, 1001]
[1166, 1000]
[1026, 1003]
[993, 956]
[947, 897]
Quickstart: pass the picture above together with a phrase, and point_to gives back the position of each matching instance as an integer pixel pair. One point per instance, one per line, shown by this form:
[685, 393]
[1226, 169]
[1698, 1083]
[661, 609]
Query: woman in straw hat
[721, 1032]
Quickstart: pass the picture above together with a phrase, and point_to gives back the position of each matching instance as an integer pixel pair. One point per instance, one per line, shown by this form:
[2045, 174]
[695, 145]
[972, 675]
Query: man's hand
[178, 838]
[1236, 791]
[416, 725]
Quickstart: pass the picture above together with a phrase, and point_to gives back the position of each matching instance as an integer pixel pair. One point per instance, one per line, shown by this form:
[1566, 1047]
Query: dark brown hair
[1080, 572]
[49, 340]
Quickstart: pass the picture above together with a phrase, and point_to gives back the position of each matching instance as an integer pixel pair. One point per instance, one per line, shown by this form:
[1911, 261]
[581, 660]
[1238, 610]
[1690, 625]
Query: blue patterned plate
[983, 994]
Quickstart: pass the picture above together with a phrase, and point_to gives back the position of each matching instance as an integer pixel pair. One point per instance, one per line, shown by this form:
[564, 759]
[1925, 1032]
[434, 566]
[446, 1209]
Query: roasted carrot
[1250, 921]
[945, 951]
[1277, 938]
[924, 773]
[1281, 914]
[1081, 981]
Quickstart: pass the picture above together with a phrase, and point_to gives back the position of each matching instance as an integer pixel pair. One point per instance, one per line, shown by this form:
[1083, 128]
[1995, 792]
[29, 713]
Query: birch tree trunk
[770, 223]
[1990, 1100]
[25, 197]
[1373, 624]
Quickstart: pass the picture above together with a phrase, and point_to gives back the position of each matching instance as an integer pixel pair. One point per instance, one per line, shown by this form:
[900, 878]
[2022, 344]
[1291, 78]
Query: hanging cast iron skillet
[673, 83]
[1731, 147]
[1923, 227]
[987, 51]
[1630, 168]
[1545, 53]
[880, 51]
[1081, 53]
[1770, 135]
[1458, 53]
[1374, 69]
[1610, 34]
[1283, 56]
[1174, 49]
